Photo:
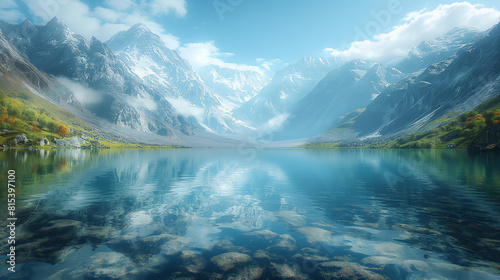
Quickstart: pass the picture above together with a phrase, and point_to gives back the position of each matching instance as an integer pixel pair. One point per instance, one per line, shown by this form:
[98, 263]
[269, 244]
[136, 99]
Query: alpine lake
[252, 214]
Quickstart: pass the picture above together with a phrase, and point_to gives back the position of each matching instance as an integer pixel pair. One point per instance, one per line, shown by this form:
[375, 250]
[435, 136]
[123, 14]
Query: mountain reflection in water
[282, 213]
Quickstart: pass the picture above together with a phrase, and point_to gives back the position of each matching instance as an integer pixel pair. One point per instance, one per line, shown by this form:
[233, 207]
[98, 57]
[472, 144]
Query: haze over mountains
[136, 82]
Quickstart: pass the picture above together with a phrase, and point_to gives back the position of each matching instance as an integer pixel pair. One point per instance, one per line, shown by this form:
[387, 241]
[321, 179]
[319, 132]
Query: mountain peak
[55, 20]
[55, 23]
[141, 27]
[26, 22]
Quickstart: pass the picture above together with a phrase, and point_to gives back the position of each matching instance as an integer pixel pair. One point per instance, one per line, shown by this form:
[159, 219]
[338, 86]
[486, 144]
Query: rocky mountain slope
[343, 90]
[164, 71]
[453, 86]
[120, 96]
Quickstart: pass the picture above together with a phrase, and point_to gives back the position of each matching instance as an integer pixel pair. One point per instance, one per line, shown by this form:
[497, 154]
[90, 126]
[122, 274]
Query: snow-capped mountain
[17, 72]
[163, 70]
[287, 87]
[343, 90]
[429, 52]
[457, 84]
[119, 95]
[234, 86]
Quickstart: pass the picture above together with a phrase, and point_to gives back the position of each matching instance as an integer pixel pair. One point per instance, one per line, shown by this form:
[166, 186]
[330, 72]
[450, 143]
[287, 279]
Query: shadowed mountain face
[343, 90]
[17, 72]
[122, 98]
[457, 84]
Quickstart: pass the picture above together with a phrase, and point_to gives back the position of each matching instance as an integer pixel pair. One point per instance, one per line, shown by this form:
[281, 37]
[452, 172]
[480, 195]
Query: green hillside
[460, 131]
[22, 112]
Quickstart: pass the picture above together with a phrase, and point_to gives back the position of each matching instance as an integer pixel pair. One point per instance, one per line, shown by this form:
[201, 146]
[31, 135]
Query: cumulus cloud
[187, 109]
[203, 54]
[104, 22]
[9, 11]
[166, 6]
[8, 4]
[120, 5]
[268, 64]
[85, 95]
[416, 27]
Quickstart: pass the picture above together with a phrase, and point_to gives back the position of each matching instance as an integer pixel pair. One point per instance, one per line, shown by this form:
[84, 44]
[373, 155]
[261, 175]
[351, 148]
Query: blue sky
[262, 34]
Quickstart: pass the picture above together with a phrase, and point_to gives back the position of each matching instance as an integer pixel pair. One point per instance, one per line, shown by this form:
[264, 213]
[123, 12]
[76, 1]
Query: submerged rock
[106, 265]
[348, 270]
[285, 244]
[193, 261]
[264, 234]
[227, 261]
[261, 254]
[247, 273]
[292, 218]
[378, 261]
[284, 271]
[176, 245]
[311, 255]
[314, 234]
[390, 249]
[226, 246]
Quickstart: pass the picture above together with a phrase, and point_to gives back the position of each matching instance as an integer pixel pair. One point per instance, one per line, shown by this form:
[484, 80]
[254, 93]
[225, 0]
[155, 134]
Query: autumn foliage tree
[62, 130]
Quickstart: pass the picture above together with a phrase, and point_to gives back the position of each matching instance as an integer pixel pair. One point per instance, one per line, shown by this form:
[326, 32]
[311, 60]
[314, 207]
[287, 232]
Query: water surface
[247, 214]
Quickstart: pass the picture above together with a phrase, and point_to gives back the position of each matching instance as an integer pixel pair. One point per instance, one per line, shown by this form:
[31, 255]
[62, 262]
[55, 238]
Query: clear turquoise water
[255, 214]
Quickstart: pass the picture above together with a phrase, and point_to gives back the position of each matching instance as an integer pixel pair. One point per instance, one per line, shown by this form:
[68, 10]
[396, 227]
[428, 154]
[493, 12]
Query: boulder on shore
[44, 141]
[62, 142]
[20, 140]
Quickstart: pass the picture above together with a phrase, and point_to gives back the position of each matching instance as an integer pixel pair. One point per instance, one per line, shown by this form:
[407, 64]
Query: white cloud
[416, 27]
[9, 11]
[84, 94]
[166, 6]
[187, 109]
[267, 64]
[203, 54]
[11, 15]
[8, 4]
[120, 5]
[107, 14]
[276, 122]
[101, 22]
